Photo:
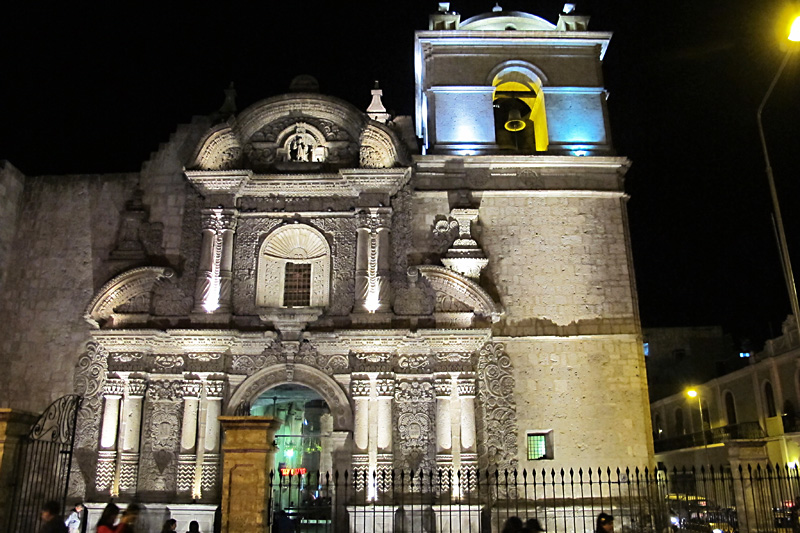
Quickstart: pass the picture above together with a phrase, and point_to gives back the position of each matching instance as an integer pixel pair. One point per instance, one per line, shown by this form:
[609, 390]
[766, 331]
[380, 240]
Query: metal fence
[43, 464]
[724, 500]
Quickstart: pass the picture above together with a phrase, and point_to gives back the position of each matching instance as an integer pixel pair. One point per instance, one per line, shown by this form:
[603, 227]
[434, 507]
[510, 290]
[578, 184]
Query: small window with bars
[297, 285]
[540, 445]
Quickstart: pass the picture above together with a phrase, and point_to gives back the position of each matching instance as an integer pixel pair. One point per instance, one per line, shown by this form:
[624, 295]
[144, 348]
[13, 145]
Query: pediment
[457, 294]
[298, 133]
[125, 296]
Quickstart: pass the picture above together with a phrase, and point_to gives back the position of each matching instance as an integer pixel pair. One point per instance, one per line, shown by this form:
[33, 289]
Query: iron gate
[43, 464]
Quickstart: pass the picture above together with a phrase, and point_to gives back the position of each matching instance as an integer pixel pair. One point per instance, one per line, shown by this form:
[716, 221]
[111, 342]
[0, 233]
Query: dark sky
[96, 89]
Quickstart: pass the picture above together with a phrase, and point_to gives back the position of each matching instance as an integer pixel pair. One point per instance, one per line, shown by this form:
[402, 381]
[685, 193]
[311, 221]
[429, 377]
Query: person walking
[127, 524]
[170, 526]
[52, 522]
[108, 519]
[75, 518]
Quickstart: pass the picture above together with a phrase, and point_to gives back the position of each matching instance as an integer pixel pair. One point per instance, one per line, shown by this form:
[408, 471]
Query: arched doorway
[306, 425]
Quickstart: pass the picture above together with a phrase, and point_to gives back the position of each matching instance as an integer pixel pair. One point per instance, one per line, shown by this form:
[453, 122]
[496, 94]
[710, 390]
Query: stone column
[468, 461]
[326, 457]
[208, 460]
[360, 389]
[129, 436]
[373, 289]
[248, 456]
[192, 390]
[112, 394]
[385, 389]
[466, 394]
[444, 387]
[213, 288]
[191, 401]
[106, 478]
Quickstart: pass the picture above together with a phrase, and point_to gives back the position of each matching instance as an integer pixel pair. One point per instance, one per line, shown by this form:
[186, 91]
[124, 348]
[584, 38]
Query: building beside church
[453, 290]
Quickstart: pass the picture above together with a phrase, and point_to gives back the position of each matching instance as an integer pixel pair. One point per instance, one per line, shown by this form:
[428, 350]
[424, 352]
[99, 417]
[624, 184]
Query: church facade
[451, 291]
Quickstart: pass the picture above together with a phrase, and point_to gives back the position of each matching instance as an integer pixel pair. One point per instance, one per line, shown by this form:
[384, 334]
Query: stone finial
[376, 110]
[465, 256]
[570, 20]
[444, 19]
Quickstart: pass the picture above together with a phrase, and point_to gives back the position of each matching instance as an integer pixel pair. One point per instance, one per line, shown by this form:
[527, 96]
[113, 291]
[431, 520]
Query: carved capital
[385, 386]
[466, 387]
[190, 388]
[374, 218]
[360, 388]
[443, 386]
[113, 387]
[136, 387]
[215, 388]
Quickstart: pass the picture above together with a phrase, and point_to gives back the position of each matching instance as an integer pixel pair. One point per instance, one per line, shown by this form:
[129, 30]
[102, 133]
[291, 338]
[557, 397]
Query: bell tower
[512, 115]
[508, 82]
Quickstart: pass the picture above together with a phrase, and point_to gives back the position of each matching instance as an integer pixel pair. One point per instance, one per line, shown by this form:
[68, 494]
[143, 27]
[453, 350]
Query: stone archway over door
[307, 376]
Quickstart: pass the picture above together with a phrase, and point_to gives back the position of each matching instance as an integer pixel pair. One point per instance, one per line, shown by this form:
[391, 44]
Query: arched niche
[294, 268]
[519, 107]
[281, 374]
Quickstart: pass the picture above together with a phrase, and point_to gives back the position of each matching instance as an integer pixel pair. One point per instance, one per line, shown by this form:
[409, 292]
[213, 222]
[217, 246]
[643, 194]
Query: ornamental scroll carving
[90, 376]
[497, 419]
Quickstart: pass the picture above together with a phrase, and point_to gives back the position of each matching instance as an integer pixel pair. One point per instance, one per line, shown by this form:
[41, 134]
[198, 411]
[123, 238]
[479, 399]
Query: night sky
[96, 89]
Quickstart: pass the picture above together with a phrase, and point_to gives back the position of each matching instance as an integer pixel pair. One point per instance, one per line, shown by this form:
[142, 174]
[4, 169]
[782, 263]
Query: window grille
[297, 285]
[539, 446]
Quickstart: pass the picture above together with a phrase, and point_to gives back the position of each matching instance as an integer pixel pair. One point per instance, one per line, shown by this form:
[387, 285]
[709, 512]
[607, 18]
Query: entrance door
[300, 484]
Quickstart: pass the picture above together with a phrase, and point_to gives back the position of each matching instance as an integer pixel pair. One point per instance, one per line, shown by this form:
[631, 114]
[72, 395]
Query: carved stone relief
[160, 439]
[90, 375]
[497, 410]
[414, 427]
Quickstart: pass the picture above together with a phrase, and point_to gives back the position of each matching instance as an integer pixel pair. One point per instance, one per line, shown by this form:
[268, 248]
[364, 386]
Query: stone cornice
[349, 182]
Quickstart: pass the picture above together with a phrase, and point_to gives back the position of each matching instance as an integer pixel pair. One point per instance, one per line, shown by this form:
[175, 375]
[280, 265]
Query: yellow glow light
[794, 33]
[691, 393]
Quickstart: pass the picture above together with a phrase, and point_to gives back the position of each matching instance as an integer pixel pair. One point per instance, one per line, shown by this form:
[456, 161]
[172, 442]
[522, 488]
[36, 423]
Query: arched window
[294, 268]
[769, 400]
[658, 430]
[730, 408]
[519, 109]
[679, 429]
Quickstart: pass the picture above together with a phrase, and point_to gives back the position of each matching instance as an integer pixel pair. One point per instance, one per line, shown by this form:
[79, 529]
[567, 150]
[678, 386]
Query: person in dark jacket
[605, 523]
[52, 522]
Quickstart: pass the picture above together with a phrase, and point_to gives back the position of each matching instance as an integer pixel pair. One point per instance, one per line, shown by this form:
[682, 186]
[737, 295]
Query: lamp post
[693, 393]
[783, 248]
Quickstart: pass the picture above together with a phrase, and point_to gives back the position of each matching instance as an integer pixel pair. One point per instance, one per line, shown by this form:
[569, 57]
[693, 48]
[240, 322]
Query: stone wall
[559, 263]
[12, 182]
[590, 391]
[67, 226]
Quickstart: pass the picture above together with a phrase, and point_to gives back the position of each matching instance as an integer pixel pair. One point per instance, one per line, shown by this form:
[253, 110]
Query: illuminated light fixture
[691, 393]
[467, 152]
[568, 8]
[794, 33]
[514, 122]
[581, 153]
[289, 453]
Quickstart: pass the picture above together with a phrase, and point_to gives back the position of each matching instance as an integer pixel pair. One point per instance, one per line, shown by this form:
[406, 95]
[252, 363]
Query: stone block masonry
[67, 226]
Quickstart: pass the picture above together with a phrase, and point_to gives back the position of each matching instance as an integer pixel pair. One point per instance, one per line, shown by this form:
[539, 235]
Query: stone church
[451, 290]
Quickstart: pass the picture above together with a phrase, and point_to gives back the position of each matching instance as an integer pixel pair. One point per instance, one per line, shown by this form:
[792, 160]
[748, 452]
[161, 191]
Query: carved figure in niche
[298, 151]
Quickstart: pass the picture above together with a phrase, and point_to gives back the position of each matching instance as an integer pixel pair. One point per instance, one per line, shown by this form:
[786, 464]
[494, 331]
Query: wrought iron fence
[43, 464]
[725, 500]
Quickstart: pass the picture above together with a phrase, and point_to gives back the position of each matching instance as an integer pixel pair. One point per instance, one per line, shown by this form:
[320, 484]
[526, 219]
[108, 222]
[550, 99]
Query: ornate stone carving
[465, 256]
[164, 390]
[215, 388]
[204, 357]
[122, 289]
[497, 444]
[126, 357]
[191, 388]
[298, 244]
[413, 362]
[414, 411]
[360, 387]
[455, 290]
[168, 361]
[379, 147]
[158, 460]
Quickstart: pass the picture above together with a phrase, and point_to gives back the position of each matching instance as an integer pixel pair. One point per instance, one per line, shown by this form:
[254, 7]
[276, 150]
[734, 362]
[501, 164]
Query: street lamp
[783, 248]
[694, 393]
